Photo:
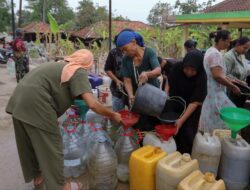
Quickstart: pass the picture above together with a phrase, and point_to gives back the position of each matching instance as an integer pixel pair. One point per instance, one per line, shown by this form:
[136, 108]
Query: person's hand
[235, 89]
[131, 101]
[178, 125]
[116, 117]
[119, 84]
[143, 78]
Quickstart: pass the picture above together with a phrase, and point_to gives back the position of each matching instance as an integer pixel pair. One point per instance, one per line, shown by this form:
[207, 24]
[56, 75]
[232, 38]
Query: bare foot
[38, 180]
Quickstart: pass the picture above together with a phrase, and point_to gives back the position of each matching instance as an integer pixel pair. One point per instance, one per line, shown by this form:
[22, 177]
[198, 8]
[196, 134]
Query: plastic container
[207, 150]
[223, 133]
[104, 95]
[235, 163]
[106, 80]
[102, 164]
[149, 100]
[74, 147]
[142, 166]
[124, 146]
[198, 181]
[168, 146]
[172, 169]
[95, 93]
[92, 117]
[174, 108]
[95, 80]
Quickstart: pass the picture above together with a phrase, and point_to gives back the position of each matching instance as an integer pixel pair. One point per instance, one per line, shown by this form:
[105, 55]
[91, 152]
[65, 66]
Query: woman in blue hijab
[139, 65]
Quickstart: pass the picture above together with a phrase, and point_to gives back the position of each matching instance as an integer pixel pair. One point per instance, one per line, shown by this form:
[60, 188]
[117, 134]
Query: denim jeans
[117, 103]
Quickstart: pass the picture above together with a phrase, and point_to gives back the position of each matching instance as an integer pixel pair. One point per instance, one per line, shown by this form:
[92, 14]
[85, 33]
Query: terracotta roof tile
[34, 27]
[230, 5]
[88, 32]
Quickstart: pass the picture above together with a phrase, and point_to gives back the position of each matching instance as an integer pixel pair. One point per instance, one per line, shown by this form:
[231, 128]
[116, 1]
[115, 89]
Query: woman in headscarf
[38, 100]
[217, 82]
[139, 65]
[188, 80]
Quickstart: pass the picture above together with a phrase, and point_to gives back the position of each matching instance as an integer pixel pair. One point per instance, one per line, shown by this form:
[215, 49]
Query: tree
[191, 6]
[58, 8]
[159, 14]
[5, 15]
[88, 14]
[120, 18]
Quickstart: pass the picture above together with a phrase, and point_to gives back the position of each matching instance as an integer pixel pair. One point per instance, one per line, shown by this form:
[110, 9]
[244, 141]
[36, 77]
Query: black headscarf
[193, 89]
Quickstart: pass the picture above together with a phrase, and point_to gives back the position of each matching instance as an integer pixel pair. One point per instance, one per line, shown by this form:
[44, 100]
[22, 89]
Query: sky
[137, 10]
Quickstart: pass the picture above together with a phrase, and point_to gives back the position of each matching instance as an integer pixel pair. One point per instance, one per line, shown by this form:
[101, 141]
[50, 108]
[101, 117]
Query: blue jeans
[117, 104]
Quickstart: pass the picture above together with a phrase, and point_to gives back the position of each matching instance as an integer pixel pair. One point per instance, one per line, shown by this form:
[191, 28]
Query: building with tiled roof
[229, 5]
[36, 27]
[91, 32]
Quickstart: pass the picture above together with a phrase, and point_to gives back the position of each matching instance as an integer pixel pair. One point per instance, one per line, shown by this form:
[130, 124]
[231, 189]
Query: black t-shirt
[113, 63]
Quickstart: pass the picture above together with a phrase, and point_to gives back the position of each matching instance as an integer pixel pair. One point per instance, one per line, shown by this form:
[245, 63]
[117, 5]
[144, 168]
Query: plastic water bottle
[102, 164]
[72, 130]
[92, 117]
[124, 146]
[11, 67]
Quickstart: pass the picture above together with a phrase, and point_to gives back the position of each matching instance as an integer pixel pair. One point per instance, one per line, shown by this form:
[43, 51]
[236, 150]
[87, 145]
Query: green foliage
[191, 6]
[5, 16]
[53, 24]
[159, 14]
[68, 26]
[58, 8]
[88, 14]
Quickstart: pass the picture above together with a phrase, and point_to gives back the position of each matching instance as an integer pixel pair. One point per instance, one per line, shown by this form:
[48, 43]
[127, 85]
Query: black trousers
[185, 137]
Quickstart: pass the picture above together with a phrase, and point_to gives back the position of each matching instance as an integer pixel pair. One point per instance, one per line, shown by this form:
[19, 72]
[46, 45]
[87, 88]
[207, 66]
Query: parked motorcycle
[5, 54]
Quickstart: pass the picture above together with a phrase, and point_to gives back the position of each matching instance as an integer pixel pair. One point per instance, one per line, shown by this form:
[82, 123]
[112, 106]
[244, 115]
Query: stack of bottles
[102, 161]
[124, 146]
[72, 130]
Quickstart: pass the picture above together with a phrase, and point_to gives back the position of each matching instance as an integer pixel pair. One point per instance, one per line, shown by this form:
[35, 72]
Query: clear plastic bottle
[102, 164]
[74, 146]
[124, 146]
[92, 117]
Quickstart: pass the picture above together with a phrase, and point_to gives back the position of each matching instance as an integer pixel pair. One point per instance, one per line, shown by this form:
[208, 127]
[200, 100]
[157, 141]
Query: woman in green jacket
[38, 100]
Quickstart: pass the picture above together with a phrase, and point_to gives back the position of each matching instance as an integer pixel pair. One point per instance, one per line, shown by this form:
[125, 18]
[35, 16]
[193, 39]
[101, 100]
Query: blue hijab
[126, 37]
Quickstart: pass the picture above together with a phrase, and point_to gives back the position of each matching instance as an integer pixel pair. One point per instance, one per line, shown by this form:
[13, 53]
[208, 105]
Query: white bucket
[104, 95]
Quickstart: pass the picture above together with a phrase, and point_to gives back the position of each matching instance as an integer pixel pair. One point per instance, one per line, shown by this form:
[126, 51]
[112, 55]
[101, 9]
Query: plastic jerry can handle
[157, 150]
[186, 157]
[209, 177]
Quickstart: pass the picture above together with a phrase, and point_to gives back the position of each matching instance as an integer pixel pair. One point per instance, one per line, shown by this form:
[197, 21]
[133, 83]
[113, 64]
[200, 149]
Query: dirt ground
[11, 177]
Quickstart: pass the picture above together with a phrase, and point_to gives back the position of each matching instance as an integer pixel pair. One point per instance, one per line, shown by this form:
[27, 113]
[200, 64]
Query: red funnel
[165, 131]
[128, 118]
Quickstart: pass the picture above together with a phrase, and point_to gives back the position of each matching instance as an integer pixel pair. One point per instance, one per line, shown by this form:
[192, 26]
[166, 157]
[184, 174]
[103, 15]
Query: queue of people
[203, 81]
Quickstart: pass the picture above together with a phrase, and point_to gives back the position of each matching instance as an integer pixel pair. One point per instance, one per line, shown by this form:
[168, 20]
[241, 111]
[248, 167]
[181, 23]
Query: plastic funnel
[83, 108]
[128, 118]
[235, 119]
[165, 131]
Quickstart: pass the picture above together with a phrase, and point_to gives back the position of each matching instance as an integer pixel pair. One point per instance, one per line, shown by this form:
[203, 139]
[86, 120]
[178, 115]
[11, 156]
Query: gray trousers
[40, 152]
